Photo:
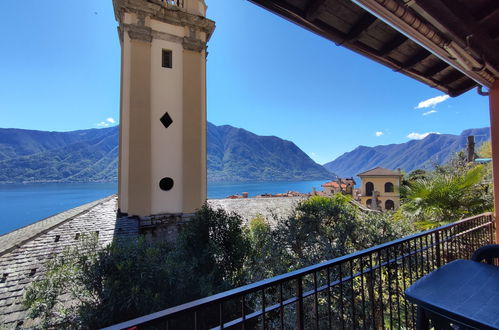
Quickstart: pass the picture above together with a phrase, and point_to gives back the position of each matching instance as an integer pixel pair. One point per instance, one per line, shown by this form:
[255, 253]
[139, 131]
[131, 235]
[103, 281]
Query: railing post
[437, 247]
[492, 228]
[299, 304]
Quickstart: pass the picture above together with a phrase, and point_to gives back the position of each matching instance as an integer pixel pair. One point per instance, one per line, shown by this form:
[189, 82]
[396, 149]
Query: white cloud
[420, 136]
[106, 123]
[102, 124]
[429, 112]
[378, 133]
[432, 102]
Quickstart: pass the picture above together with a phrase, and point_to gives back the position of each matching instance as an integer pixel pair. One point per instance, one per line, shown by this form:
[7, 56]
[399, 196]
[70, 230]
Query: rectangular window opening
[166, 59]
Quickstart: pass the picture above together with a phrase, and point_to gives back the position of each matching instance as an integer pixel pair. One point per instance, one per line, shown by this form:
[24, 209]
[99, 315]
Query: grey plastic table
[463, 292]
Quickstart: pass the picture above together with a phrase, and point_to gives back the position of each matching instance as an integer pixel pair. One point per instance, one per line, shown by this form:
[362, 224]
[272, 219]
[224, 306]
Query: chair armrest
[487, 252]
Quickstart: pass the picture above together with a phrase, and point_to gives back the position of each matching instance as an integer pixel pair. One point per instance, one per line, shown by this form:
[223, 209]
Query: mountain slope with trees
[78, 156]
[234, 155]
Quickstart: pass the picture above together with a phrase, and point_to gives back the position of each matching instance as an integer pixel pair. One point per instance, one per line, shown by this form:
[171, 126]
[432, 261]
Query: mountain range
[77, 156]
[424, 154]
[234, 155]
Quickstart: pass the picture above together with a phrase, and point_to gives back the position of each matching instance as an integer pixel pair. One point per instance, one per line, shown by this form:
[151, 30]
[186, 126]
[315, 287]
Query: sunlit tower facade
[162, 158]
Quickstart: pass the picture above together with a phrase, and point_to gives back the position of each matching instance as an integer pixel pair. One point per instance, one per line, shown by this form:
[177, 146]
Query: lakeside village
[379, 190]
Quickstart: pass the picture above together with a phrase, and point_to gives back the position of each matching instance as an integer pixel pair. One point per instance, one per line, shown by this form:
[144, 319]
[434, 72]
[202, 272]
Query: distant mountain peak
[411, 155]
[235, 154]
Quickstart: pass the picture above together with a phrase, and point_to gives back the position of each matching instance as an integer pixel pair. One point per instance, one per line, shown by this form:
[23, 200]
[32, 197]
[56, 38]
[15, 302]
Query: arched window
[389, 205]
[388, 187]
[369, 202]
[369, 189]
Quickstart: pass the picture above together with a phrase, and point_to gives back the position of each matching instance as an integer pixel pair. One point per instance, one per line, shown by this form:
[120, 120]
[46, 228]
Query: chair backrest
[487, 253]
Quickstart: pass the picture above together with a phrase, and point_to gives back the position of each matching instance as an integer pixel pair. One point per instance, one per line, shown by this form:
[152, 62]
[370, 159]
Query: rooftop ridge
[380, 171]
[17, 237]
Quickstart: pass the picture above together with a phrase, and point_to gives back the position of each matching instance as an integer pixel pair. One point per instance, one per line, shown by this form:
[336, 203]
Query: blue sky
[60, 71]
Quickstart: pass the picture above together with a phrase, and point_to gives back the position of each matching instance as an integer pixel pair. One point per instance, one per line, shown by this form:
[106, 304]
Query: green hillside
[234, 155]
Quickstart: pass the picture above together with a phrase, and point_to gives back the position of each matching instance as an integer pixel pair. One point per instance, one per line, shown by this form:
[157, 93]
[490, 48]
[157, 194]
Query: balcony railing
[364, 289]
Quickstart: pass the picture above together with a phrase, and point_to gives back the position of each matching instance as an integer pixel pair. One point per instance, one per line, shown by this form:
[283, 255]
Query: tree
[89, 286]
[485, 150]
[214, 246]
[449, 194]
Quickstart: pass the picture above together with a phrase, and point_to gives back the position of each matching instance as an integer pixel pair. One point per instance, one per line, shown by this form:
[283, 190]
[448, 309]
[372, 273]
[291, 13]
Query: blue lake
[23, 204]
[221, 190]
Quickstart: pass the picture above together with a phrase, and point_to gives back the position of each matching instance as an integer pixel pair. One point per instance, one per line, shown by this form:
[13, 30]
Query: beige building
[381, 185]
[162, 158]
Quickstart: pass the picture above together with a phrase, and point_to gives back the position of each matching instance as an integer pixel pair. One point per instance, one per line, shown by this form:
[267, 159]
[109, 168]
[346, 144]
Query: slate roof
[248, 208]
[380, 171]
[29, 248]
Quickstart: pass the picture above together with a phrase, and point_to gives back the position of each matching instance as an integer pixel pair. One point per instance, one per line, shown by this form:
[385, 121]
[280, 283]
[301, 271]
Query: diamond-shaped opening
[166, 120]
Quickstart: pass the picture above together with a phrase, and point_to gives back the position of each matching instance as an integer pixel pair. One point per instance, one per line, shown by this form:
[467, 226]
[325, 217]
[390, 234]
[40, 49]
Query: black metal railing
[362, 290]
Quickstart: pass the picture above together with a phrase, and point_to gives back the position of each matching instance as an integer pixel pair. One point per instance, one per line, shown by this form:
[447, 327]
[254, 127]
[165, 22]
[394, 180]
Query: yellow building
[381, 185]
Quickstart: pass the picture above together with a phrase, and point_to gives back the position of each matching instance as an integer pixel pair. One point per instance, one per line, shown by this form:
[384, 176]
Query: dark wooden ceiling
[472, 24]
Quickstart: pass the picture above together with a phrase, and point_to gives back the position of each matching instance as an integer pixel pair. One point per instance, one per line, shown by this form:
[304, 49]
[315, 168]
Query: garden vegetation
[89, 286]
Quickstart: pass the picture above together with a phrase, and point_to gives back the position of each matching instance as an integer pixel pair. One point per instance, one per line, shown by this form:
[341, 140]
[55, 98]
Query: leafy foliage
[89, 287]
[92, 287]
[451, 192]
[485, 150]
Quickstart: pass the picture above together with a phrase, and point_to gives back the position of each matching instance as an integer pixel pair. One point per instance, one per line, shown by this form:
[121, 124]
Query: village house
[380, 189]
[343, 185]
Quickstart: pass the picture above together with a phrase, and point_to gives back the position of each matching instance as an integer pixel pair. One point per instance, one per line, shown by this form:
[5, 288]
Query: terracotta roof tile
[333, 184]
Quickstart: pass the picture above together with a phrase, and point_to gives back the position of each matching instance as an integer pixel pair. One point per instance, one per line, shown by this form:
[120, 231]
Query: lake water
[23, 204]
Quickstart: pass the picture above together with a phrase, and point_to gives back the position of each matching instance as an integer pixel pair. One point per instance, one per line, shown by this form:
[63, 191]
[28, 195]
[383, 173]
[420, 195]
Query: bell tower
[162, 157]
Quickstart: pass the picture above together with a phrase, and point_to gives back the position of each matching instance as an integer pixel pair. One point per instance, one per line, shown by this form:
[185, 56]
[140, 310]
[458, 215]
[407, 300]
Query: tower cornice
[163, 12]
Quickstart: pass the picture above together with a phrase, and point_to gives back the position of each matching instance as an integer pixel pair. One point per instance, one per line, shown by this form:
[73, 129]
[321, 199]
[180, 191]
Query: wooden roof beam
[415, 59]
[465, 86]
[452, 77]
[488, 46]
[313, 9]
[362, 25]
[480, 42]
[488, 15]
[436, 69]
[393, 44]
